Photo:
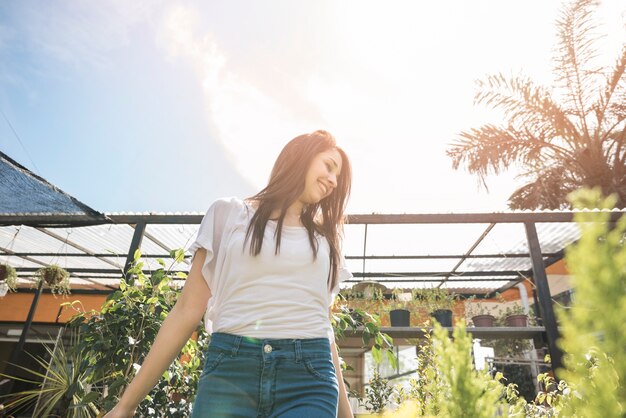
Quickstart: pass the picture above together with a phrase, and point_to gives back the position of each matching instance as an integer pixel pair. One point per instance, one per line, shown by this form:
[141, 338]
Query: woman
[264, 273]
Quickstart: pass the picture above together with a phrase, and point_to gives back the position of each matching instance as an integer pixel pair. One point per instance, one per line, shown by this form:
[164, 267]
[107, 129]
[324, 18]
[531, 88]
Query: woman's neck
[292, 217]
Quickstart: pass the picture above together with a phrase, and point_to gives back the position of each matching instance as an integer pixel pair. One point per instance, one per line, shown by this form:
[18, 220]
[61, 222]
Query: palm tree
[561, 145]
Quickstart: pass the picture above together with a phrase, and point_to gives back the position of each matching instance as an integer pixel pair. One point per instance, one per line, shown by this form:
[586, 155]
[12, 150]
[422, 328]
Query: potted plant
[8, 278]
[56, 277]
[352, 298]
[377, 396]
[480, 313]
[440, 303]
[515, 316]
[399, 315]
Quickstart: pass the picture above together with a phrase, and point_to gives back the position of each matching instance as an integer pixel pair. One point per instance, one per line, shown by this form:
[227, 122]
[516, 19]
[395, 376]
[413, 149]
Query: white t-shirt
[269, 295]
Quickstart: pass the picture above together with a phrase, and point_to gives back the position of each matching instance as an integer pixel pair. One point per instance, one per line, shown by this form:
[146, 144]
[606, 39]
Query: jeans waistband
[263, 347]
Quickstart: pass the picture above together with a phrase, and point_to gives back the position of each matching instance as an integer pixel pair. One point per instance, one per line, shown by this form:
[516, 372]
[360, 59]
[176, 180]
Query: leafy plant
[563, 137]
[56, 277]
[435, 298]
[65, 389]
[475, 308]
[116, 339]
[378, 393]
[8, 275]
[343, 319]
[593, 327]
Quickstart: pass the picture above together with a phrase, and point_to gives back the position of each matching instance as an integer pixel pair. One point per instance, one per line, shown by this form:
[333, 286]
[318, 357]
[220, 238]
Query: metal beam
[140, 228]
[543, 294]
[427, 280]
[14, 362]
[442, 274]
[77, 246]
[468, 252]
[65, 220]
[445, 256]
[161, 244]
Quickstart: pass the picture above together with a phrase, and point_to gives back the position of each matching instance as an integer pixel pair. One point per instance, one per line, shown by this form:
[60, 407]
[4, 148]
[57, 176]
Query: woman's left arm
[344, 410]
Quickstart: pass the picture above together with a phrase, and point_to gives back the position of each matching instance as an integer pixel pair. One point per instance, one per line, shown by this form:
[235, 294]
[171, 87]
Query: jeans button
[267, 348]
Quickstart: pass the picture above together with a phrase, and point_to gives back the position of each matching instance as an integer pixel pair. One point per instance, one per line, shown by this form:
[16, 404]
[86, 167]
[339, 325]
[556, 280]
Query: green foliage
[369, 324]
[474, 307]
[564, 136]
[116, 339]
[9, 276]
[63, 390]
[377, 394]
[56, 277]
[435, 298]
[593, 339]
[462, 391]
[593, 327]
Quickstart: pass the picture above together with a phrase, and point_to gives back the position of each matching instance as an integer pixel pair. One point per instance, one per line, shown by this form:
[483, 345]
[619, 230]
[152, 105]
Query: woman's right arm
[180, 323]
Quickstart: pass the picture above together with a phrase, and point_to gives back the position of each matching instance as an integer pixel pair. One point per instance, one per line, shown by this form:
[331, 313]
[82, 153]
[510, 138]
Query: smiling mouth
[324, 189]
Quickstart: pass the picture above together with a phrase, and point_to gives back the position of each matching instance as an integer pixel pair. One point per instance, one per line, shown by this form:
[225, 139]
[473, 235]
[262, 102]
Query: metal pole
[17, 351]
[140, 228]
[543, 293]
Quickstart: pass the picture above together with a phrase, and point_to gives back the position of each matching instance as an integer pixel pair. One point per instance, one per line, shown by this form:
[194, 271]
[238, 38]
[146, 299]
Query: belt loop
[236, 344]
[298, 346]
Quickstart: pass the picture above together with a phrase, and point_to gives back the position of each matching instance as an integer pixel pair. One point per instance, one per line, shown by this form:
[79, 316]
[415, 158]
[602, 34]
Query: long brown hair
[286, 184]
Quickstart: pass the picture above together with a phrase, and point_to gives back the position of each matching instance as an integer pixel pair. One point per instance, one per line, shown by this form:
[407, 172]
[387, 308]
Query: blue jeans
[247, 377]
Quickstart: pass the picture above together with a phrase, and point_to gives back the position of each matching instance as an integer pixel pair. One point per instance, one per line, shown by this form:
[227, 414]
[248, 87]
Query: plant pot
[517, 320]
[400, 318]
[443, 316]
[52, 277]
[4, 272]
[483, 320]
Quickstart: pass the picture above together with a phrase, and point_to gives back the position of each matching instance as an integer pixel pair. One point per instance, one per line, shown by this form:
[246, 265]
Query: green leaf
[90, 397]
[179, 255]
[391, 357]
[137, 254]
[377, 355]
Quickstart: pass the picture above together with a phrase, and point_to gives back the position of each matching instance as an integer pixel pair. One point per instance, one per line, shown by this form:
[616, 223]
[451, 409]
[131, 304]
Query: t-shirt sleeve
[343, 274]
[210, 236]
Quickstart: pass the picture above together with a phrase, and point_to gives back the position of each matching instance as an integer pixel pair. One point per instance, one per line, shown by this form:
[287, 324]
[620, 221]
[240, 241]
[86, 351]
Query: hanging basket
[8, 275]
[56, 277]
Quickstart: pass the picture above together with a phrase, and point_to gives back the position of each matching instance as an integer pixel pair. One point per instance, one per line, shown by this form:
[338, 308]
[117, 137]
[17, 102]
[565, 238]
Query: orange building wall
[558, 268]
[14, 307]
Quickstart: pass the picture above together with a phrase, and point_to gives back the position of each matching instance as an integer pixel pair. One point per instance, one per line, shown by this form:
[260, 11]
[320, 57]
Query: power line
[21, 143]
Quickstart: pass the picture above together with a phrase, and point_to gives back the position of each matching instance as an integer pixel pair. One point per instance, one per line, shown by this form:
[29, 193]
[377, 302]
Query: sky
[167, 105]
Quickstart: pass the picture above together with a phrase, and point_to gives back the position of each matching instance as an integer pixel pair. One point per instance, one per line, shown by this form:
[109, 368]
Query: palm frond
[492, 149]
[548, 190]
[526, 104]
[575, 53]
[65, 382]
[610, 107]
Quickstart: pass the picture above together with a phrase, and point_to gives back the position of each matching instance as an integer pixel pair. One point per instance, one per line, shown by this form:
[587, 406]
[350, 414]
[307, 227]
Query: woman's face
[321, 179]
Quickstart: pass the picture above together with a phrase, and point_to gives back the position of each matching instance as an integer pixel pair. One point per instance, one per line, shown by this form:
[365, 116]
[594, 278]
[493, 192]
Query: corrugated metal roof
[472, 257]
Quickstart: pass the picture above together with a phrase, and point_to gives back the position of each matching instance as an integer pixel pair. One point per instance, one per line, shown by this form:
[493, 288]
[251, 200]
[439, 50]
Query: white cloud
[251, 125]
[394, 83]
